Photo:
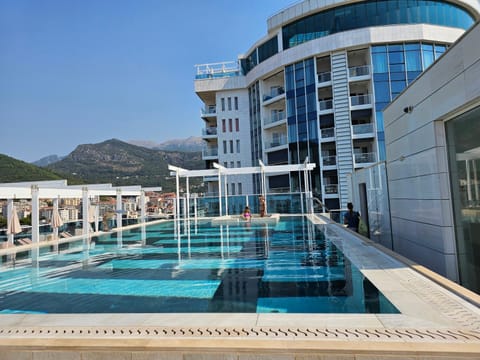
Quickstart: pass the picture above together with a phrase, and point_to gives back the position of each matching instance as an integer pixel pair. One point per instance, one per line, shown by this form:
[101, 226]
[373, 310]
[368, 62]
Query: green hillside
[13, 170]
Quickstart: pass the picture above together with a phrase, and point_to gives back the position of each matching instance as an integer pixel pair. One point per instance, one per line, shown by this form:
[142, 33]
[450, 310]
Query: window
[233, 188]
[223, 104]
[232, 164]
[224, 146]
[239, 188]
[239, 164]
[224, 125]
[236, 102]
[238, 146]
[230, 125]
[229, 101]
[237, 125]
[231, 146]
[225, 164]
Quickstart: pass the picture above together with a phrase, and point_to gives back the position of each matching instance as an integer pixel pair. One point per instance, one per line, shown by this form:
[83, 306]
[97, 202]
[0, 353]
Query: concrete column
[119, 208]
[55, 208]
[142, 207]
[10, 237]
[35, 214]
[85, 210]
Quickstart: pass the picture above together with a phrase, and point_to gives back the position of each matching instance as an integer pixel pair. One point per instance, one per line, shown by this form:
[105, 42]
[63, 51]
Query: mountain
[120, 163]
[13, 170]
[191, 144]
[47, 160]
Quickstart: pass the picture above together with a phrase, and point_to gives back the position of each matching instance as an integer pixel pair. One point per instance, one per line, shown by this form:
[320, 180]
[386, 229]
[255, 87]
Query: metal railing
[357, 100]
[275, 117]
[324, 77]
[326, 104]
[277, 141]
[365, 158]
[274, 93]
[218, 70]
[356, 71]
[362, 129]
[329, 160]
[330, 189]
[327, 133]
[208, 111]
[209, 131]
[210, 152]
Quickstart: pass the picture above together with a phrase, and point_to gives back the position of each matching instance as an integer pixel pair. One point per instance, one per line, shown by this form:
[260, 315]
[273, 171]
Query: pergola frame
[220, 170]
[57, 189]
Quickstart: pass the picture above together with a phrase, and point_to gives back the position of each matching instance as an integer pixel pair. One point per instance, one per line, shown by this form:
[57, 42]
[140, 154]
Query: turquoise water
[287, 267]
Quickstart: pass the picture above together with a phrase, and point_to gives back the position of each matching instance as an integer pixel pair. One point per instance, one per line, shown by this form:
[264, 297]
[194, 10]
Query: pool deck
[438, 320]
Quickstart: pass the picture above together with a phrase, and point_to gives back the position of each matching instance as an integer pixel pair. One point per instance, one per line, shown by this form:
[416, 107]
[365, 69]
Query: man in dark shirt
[351, 218]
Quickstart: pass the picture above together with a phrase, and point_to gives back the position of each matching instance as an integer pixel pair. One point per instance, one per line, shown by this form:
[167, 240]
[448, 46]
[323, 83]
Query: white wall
[418, 174]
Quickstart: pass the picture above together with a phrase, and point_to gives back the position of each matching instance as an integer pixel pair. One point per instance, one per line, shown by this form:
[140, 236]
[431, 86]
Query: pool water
[283, 267]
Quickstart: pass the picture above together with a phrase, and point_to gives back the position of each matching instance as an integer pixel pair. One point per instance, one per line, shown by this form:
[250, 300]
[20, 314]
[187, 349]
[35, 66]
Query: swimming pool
[284, 267]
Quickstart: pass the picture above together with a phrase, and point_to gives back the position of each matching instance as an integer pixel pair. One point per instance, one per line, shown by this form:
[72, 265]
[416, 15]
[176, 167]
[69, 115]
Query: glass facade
[394, 67]
[301, 99]
[255, 130]
[463, 144]
[375, 13]
[260, 54]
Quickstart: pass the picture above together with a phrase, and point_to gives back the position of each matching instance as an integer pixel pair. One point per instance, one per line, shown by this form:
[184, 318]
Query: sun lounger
[65, 234]
[24, 241]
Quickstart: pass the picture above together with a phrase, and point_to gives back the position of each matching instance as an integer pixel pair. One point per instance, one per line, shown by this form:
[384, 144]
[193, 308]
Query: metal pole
[143, 213]
[9, 218]
[119, 208]
[55, 209]
[177, 199]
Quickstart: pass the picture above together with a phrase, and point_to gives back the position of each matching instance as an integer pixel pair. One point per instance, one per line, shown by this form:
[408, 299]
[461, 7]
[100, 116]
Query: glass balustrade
[365, 158]
[329, 160]
[209, 131]
[360, 100]
[324, 77]
[359, 71]
[325, 104]
[362, 129]
[327, 133]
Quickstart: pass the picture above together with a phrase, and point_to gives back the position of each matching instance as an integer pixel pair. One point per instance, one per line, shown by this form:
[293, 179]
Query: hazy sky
[84, 71]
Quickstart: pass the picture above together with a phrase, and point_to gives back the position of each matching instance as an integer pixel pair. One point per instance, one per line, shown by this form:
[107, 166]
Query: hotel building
[315, 86]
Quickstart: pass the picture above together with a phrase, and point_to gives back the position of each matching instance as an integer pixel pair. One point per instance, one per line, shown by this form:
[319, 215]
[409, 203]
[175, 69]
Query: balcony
[209, 132]
[276, 141]
[324, 78]
[275, 94]
[327, 133]
[209, 153]
[329, 160]
[365, 158]
[362, 101]
[362, 72]
[275, 119]
[330, 189]
[209, 111]
[325, 106]
[363, 130]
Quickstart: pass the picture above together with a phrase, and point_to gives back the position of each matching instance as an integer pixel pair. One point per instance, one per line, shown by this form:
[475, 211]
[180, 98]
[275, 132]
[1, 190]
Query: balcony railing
[329, 160]
[325, 104]
[209, 131]
[360, 100]
[324, 77]
[327, 133]
[209, 152]
[362, 129]
[274, 93]
[356, 71]
[218, 70]
[275, 117]
[365, 158]
[330, 189]
[209, 111]
[277, 141]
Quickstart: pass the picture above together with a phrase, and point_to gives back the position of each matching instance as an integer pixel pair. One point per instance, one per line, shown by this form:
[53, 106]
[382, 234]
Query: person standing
[261, 205]
[351, 218]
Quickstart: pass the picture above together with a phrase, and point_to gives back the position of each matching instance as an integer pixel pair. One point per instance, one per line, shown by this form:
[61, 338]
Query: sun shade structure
[220, 171]
[57, 189]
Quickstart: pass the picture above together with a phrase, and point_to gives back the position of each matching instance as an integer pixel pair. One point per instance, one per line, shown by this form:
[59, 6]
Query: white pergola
[58, 189]
[220, 171]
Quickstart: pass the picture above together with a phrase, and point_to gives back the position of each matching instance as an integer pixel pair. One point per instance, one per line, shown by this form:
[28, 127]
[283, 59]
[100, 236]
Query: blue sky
[84, 71]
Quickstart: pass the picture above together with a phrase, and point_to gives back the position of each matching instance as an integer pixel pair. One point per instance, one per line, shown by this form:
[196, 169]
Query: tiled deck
[434, 323]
